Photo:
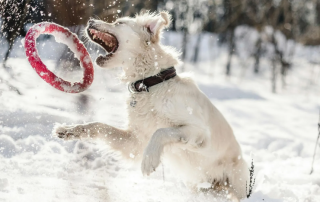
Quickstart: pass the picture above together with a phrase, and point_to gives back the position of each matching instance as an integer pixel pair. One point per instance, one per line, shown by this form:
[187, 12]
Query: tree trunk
[284, 68]
[18, 28]
[257, 55]
[184, 45]
[317, 12]
[6, 56]
[231, 51]
[196, 49]
[274, 75]
[279, 56]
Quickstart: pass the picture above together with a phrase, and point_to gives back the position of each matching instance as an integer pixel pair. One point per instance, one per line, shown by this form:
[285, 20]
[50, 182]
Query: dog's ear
[156, 24]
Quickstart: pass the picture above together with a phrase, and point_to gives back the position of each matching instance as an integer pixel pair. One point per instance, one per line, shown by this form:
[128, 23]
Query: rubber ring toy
[65, 36]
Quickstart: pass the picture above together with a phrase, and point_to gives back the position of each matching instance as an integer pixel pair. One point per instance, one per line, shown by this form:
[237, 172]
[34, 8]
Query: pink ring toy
[62, 35]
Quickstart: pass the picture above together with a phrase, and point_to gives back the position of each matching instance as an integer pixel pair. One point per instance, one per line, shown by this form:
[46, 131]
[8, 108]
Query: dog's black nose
[90, 22]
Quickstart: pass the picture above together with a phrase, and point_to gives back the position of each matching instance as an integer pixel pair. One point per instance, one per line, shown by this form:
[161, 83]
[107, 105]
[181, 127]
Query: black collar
[145, 84]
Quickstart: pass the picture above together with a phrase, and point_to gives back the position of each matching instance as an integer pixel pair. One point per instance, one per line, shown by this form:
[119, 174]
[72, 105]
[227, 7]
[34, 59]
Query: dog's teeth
[94, 36]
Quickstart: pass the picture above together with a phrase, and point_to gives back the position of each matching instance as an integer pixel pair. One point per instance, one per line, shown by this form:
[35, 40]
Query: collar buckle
[142, 87]
[132, 88]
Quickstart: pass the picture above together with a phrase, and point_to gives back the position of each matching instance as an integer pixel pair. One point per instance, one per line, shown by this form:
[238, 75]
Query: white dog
[170, 119]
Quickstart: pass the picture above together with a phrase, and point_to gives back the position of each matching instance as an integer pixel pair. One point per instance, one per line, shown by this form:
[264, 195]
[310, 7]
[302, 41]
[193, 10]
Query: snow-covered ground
[277, 131]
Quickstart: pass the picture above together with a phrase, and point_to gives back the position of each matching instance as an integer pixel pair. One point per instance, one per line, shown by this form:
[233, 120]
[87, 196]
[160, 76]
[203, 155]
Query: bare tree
[13, 15]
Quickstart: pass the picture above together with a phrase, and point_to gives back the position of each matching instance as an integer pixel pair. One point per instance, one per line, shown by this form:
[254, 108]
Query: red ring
[80, 52]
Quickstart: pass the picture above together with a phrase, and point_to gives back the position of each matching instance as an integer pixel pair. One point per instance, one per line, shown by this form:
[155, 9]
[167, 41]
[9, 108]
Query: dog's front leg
[165, 136]
[118, 139]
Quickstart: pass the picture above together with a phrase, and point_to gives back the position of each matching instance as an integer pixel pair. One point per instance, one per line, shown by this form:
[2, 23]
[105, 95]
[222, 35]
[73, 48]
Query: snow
[68, 40]
[278, 131]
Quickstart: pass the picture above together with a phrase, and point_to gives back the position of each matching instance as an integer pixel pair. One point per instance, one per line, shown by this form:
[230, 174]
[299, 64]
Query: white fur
[174, 122]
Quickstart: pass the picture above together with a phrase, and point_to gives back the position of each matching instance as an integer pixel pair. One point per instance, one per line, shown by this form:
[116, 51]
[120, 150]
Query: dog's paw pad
[61, 135]
[64, 135]
[64, 132]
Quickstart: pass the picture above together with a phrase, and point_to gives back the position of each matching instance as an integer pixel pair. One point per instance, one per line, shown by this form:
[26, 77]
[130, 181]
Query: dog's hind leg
[193, 138]
[120, 140]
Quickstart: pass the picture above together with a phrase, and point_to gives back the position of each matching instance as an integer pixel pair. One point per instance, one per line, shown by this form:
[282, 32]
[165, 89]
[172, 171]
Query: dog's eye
[118, 23]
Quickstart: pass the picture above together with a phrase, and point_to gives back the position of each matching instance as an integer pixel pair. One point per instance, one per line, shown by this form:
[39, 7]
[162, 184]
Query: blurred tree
[223, 18]
[232, 17]
[15, 15]
[130, 8]
[189, 17]
[280, 19]
[256, 12]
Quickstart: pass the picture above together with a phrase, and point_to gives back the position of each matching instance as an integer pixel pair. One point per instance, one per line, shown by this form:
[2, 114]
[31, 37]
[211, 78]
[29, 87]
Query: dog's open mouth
[106, 40]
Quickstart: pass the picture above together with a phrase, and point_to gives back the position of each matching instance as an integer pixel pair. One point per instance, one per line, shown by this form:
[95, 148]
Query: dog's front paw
[150, 162]
[68, 132]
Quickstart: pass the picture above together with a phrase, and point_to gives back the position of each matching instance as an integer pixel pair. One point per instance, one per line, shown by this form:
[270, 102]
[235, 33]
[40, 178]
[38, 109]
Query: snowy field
[278, 131]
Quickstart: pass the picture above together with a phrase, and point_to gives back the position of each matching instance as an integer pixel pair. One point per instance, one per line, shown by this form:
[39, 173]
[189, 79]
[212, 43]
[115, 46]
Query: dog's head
[127, 38]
